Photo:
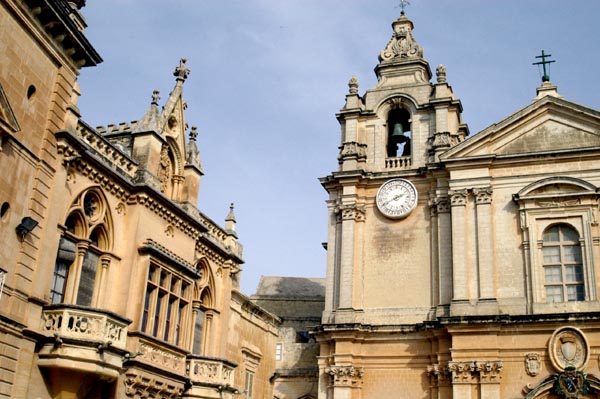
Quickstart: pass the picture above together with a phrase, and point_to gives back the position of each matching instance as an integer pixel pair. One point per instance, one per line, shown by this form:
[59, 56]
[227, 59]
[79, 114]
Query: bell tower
[389, 172]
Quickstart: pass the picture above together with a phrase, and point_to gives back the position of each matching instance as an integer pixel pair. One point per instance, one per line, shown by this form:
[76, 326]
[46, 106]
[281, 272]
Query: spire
[230, 222]
[192, 155]
[151, 119]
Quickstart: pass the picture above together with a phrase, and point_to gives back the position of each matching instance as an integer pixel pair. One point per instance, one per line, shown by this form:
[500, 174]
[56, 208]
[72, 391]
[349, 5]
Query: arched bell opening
[399, 133]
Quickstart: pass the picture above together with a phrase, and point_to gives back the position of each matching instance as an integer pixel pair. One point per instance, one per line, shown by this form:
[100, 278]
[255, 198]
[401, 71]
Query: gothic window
[85, 240]
[203, 310]
[562, 262]
[399, 135]
[166, 304]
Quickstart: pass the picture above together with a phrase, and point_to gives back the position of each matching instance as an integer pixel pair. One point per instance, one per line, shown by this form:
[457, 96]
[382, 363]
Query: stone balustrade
[205, 370]
[398, 163]
[75, 322]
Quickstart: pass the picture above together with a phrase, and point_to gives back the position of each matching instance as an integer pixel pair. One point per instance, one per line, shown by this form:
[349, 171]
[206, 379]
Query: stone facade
[459, 268]
[113, 284]
[299, 303]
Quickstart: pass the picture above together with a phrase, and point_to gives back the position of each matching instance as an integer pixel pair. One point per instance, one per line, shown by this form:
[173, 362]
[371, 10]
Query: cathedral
[459, 266]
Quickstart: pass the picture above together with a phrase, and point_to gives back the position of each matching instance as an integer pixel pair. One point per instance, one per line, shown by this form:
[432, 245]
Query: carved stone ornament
[462, 371]
[439, 375]
[164, 168]
[345, 375]
[571, 383]
[353, 85]
[483, 195]
[352, 150]
[568, 348]
[351, 212]
[141, 386]
[440, 72]
[402, 44]
[533, 365]
[489, 371]
[441, 140]
[458, 197]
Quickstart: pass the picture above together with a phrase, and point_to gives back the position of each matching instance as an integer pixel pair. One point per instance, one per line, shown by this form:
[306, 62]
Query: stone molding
[346, 376]
[439, 375]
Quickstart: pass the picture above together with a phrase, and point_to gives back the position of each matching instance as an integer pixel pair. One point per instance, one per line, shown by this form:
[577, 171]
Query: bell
[398, 130]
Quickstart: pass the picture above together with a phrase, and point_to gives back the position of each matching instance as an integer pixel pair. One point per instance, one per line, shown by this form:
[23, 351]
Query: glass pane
[157, 314]
[57, 292]
[572, 253]
[551, 234]
[149, 291]
[569, 234]
[551, 254]
[552, 274]
[87, 279]
[575, 293]
[574, 274]
[554, 294]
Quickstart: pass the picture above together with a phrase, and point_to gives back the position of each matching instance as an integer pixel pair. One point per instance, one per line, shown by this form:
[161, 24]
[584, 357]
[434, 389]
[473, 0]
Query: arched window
[85, 239]
[203, 310]
[399, 134]
[563, 266]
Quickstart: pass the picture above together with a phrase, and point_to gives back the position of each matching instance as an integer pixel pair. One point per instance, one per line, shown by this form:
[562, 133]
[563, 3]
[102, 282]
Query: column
[445, 250]
[458, 202]
[344, 380]
[485, 248]
[350, 214]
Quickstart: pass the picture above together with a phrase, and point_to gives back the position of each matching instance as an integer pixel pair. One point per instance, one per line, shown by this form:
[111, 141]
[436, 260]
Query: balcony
[84, 339]
[209, 376]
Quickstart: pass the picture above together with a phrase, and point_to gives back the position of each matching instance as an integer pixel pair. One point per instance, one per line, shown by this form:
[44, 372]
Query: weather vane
[543, 62]
[403, 4]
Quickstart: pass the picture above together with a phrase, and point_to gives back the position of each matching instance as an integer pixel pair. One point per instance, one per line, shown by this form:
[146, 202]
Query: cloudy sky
[268, 76]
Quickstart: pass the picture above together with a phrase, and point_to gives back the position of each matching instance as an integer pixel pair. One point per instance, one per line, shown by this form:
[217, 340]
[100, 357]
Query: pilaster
[458, 202]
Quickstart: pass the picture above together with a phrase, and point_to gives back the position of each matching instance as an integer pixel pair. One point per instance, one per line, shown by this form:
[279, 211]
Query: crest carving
[568, 348]
[533, 365]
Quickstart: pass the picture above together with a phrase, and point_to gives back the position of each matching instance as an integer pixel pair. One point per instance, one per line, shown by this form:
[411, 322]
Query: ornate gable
[549, 124]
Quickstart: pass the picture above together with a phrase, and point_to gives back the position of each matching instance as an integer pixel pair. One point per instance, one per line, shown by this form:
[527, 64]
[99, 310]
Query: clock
[396, 198]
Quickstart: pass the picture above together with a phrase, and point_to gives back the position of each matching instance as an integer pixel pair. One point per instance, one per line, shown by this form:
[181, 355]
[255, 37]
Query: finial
[181, 72]
[403, 4]
[543, 62]
[193, 133]
[155, 97]
[353, 85]
[230, 222]
[440, 72]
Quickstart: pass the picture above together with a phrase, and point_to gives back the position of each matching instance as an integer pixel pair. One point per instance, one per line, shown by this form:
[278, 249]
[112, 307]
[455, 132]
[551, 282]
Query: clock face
[396, 198]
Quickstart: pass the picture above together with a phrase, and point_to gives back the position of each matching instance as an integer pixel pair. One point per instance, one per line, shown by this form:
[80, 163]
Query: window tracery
[85, 241]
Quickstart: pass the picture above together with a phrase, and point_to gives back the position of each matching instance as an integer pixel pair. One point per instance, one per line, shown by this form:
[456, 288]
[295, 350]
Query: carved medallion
[568, 348]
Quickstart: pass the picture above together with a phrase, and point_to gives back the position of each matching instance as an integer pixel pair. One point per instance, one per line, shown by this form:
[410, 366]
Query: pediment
[548, 125]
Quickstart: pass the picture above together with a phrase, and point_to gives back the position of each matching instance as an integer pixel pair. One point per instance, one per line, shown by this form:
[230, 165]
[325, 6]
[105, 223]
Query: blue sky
[268, 76]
